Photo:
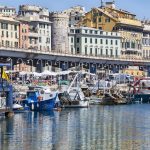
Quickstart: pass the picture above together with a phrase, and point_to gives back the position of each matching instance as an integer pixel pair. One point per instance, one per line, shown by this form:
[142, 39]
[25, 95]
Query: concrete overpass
[36, 55]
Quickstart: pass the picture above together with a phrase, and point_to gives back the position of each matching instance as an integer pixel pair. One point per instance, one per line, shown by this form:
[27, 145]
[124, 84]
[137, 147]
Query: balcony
[33, 34]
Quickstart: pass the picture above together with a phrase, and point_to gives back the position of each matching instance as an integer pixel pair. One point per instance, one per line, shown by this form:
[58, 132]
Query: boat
[41, 98]
[141, 90]
[18, 108]
[73, 96]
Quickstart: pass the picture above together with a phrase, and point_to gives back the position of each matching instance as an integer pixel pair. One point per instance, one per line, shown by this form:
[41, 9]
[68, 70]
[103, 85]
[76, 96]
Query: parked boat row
[80, 92]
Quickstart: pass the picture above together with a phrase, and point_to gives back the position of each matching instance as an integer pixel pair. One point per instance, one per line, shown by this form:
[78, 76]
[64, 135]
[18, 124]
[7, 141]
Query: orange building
[24, 35]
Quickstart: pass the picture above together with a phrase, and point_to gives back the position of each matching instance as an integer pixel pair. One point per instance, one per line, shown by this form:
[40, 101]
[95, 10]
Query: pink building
[24, 35]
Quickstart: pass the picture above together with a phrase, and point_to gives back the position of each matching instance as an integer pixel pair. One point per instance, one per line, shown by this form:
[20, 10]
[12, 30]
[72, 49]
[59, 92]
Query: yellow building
[109, 18]
[134, 71]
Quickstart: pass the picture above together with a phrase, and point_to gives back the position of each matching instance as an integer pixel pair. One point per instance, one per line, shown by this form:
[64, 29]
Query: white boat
[73, 97]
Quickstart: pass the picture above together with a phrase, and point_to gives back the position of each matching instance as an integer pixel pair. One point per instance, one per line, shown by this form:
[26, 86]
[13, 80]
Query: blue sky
[140, 7]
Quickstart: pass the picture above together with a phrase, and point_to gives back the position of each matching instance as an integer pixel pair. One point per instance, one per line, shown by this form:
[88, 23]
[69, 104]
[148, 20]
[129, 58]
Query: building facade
[23, 34]
[9, 32]
[39, 26]
[60, 40]
[146, 40]
[109, 18]
[94, 42]
[7, 11]
[75, 14]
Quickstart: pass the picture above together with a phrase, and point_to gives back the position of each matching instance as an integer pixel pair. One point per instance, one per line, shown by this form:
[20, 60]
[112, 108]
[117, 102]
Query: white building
[9, 32]
[75, 14]
[146, 40]
[7, 11]
[94, 42]
[39, 26]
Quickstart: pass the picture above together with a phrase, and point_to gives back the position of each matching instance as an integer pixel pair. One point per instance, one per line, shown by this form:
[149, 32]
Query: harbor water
[125, 127]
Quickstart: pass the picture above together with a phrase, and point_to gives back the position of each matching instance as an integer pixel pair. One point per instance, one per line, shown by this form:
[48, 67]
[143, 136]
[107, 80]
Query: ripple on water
[99, 127]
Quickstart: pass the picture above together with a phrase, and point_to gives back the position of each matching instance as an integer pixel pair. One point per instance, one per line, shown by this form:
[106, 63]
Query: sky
[140, 7]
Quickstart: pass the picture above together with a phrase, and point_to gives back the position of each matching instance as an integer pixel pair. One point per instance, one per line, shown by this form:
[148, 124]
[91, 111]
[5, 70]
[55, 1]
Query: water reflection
[96, 128]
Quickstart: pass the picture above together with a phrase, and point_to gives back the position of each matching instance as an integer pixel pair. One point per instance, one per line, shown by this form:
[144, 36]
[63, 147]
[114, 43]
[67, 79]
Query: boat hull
[80, 104]
[143, 98]
[44, 105]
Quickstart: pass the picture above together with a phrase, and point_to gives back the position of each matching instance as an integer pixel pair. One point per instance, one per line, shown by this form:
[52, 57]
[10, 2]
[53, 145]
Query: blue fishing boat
[41, 99]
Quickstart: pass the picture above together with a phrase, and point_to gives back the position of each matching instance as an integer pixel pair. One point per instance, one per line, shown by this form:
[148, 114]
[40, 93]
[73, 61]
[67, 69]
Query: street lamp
[48, 63]
[28, 62]
[40, 63]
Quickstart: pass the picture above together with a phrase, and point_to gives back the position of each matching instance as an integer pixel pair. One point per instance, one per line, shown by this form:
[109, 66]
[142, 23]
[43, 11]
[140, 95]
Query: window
[78, 50]
[127, 44]
[78, 40]
[7, 43]
[85, 50]
[111, 52]
[116, 42]
[6, 33]
[107, 19]
[16, 36]
[86, 31]
[77, 31]
[106, 52]
[2, 43]
[111, 42]
[85, 40]
[95, 32]
[16, 44]
[95, 41]
[106, 42]
[90, 51]
[71, 50]
[90, 40]
[4, 26]
[101, 41]
[15, 27]
[132, 45]
[40, 39]
[30, 41]
[94, 20]
[2, 33]
[100, 20]
[71, 40]
[95, 51]
[91, 31]
[101, 51]
[116, 52]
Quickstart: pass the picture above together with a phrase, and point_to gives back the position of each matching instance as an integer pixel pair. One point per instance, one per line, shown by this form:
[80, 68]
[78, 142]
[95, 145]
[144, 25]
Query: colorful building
[24, 34]
[39, 26]
[134, 71]
[109, 18]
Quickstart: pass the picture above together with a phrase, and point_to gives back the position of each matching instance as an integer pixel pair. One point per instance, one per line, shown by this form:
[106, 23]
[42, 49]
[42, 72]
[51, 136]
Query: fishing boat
[41, 99]
[73, 96]
[141, 90]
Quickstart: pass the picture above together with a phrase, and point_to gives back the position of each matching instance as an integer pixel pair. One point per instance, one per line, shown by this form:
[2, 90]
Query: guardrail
[103, 57]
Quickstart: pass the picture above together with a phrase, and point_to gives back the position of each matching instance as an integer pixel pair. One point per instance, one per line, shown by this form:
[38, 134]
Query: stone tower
[60, 39]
